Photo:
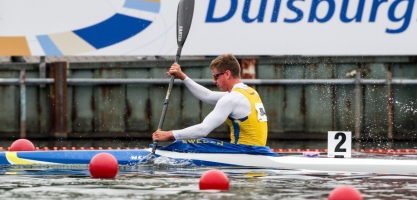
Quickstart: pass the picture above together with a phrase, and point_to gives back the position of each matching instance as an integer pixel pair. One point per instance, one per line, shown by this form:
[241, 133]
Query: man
[239, 105]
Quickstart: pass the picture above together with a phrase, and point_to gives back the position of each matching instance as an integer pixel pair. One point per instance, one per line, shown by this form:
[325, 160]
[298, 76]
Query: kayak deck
[134, 157]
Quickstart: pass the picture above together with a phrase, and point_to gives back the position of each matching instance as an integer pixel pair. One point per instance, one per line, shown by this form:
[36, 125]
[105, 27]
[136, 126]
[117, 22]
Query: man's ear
[229, 74]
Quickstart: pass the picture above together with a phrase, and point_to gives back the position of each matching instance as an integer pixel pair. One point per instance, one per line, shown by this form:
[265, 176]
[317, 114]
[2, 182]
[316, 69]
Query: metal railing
[102, 81]
[357, 81]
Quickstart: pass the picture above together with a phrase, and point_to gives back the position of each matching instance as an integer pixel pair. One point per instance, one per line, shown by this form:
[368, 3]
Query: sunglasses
[216, 76]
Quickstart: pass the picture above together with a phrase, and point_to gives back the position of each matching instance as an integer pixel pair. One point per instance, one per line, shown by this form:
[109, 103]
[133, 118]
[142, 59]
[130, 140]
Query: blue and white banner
[241, 27]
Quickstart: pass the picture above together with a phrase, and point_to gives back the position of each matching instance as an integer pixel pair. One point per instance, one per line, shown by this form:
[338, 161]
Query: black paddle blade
[149, 159]
[184, 18]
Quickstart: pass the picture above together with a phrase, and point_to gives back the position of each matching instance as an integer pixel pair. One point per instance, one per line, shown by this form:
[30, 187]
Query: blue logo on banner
[312, 14]
[113, 30]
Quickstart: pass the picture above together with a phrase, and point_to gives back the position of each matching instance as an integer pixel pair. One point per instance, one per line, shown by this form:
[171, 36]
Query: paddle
[184, 18]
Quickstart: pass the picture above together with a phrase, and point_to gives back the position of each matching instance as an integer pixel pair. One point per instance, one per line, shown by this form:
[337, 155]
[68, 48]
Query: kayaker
[238, 104]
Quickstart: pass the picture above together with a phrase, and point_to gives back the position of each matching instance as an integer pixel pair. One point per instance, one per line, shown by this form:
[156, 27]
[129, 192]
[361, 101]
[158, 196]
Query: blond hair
[226, 62]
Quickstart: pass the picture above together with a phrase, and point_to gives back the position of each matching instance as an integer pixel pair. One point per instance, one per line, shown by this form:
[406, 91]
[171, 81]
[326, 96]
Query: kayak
[134, 157]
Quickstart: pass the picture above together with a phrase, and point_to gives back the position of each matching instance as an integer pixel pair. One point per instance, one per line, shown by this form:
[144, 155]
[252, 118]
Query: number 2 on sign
[342, 141]
[339, 144]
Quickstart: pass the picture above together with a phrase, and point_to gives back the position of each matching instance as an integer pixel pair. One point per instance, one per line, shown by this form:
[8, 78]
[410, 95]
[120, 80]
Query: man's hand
[159, 135]
[176, 70]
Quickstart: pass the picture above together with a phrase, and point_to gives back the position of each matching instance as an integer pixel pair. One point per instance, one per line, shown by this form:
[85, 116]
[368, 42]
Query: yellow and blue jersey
[252, 129]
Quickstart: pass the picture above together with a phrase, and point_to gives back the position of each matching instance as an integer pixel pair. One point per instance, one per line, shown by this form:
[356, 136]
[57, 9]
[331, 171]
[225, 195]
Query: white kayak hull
[134, 157]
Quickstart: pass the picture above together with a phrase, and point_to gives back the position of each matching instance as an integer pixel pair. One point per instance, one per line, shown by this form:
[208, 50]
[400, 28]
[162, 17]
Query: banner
[241, 27]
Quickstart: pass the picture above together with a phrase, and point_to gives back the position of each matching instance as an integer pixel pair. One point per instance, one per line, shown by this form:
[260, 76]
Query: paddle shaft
[184, 18]
[166, 102]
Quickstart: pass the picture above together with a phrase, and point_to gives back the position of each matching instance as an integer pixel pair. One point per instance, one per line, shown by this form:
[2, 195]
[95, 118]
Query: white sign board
[241, 27]
[339, 144]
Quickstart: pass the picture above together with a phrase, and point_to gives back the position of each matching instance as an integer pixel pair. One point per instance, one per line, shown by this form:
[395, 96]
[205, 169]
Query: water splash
[162, 160]
[404, 108]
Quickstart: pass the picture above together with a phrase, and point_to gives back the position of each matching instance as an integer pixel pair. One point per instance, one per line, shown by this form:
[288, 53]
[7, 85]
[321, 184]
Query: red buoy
[345, 192]
[22, 145]
[103, 165]
[214, 180]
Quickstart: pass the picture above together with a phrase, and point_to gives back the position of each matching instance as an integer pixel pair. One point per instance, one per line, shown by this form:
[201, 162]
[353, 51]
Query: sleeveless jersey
[252, 129]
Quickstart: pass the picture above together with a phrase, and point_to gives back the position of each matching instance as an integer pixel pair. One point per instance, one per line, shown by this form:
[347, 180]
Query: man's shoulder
[241, 86]
[233, 96]
[245, 89]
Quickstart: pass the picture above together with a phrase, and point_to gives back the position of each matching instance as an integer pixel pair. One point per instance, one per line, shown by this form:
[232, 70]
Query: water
[164, 182]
